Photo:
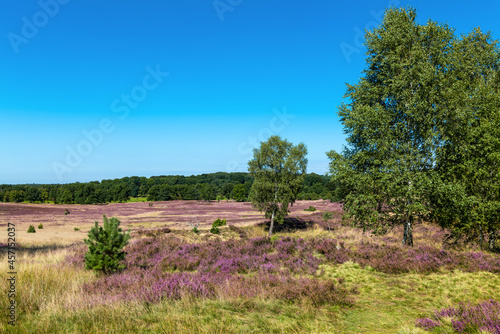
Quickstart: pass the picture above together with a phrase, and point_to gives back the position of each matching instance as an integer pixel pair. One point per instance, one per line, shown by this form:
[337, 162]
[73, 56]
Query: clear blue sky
[237, 73]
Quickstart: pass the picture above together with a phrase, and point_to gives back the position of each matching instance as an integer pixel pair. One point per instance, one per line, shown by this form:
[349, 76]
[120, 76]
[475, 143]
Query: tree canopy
[403, 120]
[279, 170]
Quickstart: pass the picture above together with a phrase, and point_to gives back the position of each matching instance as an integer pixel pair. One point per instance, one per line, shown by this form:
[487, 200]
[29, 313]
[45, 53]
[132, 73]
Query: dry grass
[50, 298]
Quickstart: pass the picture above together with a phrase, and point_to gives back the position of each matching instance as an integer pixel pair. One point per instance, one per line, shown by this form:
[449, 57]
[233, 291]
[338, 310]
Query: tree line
[211, 186]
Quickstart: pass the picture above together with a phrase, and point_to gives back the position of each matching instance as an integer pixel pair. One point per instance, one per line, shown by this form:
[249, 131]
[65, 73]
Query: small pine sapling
[31, 229]
[105, 247]
[40, 227]
[327, 216]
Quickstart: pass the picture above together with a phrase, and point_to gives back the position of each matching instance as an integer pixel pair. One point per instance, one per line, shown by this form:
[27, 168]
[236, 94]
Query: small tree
[105, 246]
[327, 216]
[194, 224]
[31, 229]
[279, 170]
[239, 193]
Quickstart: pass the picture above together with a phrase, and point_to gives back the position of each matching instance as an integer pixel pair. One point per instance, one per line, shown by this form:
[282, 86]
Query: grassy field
[304, 280]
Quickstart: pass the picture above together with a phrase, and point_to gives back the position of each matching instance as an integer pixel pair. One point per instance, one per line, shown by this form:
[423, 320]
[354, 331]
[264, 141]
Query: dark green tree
[279, 170]
[105, 252]
[239, 193]
[392, 121]
[207, 192]
[33, 194]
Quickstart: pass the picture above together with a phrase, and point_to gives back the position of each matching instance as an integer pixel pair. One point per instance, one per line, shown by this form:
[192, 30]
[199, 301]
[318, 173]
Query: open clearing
[249, 283]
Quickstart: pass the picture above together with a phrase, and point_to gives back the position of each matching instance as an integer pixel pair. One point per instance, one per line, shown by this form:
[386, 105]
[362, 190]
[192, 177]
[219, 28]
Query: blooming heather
[467, 318]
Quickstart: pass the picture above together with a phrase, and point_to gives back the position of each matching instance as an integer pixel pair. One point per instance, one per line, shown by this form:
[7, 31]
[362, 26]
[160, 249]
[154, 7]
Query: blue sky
[96, 90]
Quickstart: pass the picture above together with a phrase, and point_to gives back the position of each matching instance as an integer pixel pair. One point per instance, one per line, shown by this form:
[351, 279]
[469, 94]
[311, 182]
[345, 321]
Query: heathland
[312, 276]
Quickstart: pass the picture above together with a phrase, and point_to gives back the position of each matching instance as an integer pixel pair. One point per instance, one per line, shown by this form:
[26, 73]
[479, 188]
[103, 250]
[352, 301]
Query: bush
[40, 227]
[468, 318]
[67, 212]
[311, 208]
[31, 229]
[105, 247]
[195, 230]
[216, 224]
[76, 229]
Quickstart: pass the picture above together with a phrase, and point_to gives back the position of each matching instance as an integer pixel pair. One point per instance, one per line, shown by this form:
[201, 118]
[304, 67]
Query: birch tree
[279, 169]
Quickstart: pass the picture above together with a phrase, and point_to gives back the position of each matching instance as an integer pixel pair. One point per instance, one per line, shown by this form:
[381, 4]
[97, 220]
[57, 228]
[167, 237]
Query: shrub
[76, 229]
[216, 224]
[469, 318]
[31, 229]
[311, 208]
[195, 230]
[67, 212]
[105, 246]
[40, 227]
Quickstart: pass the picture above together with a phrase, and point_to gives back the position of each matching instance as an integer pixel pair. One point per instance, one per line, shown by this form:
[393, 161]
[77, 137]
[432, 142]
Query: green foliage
[157, 188]
[40, 226]
[216, 224]
[311, 208]
[327, 215]
[105, 247]
[195, 230]
[31, 229]
[76, 229]
[467, 191]
[66, 212]
[279, 170]
[396, 120]
[239, 193]
[207, 192]
[33, 195]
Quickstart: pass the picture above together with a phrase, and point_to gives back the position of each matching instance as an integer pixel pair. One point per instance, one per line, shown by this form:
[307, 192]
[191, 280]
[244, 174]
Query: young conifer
[105, 247]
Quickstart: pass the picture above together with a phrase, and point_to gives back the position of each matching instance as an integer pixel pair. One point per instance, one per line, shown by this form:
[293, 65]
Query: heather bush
[466, 318]
[152, 286]
[299, 256]
[169, 267]
[394, 259]
[241, 232]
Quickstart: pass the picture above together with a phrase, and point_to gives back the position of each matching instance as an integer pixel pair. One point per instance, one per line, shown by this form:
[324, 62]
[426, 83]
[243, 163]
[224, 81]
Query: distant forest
[214, 186]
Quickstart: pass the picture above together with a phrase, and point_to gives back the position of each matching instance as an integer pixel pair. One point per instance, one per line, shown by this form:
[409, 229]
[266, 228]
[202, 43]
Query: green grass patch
[137, 199]
[391, 303]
